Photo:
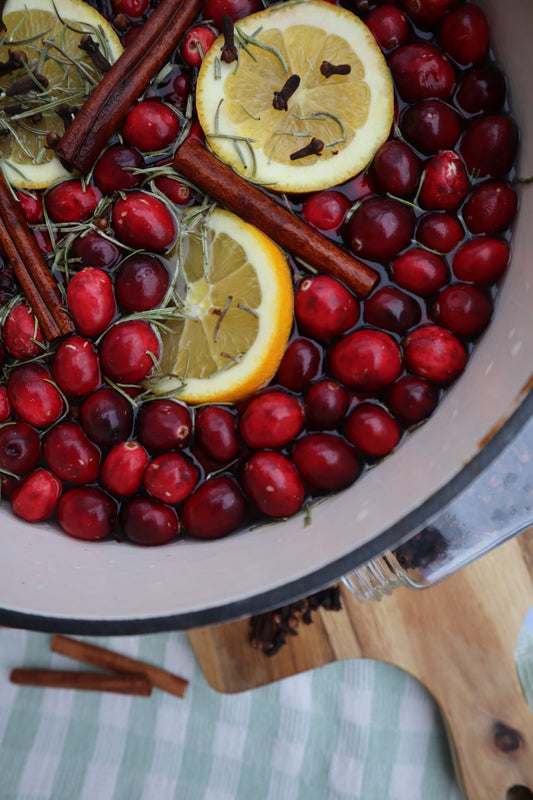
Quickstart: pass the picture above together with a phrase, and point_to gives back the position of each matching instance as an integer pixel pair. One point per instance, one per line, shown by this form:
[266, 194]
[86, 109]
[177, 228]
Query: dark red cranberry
[86, 512]
[7, 484]
[35, 497]
[174, 87]
[5, 405]
[271, 419]
[299, 365]
[114, 170]
[44, 242]
[34, 396]
[131, 34]
[464, 309]
[134, 9]
[70, 454]
[420, 71]
[75, 367]
[196, 43]
[489, 145]
[91, 301]
[123, 468]
[128, 351]
[150, 125]
[464, 34]
[326, 403]
[412, 399]
[171, 477]
[371, 429]
[179, 193]
[107, 417]
[367, 360]
[444, 182]
[141, 283]
[439, 231]
[326, 461]
[397, 169]
[431, 126]
[326, 210]
[324, 308]
[273, 484]
[216, 433]
[143, 222]
[389, 25]
[149, 522]
[392, 309]
[236, 9]
[32, 206]
[427, 13]
[94, 250]
[72, 201]
[482, 260]
[359, 187]
[21, 333]
[482, 89]
[434, 353]
[164, 425]
[490, 208]
[20, 448]
[217, 507]
[420, 271]
[380, 227]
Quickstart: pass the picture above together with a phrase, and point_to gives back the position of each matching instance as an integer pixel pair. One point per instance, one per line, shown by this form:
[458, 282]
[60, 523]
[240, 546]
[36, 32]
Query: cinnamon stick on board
[104, 109]
[122, 683]
[195, 162]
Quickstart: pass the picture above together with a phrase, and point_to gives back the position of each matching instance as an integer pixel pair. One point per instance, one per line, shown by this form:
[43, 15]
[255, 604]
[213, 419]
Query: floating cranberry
[115, 169]
[70, 454]
[76, 367]
[420, 271]
[216, 433]
[5, 405]
[412, 399]
[35, 497]
[107, 417]
[367, 360]
[72, 201]
[462, 308]
[392, 309]
[444, 183]
[128, 351]
[196, 43]
[389, 26]
[31, 204]
[464, 34]
[371, 429]
[273, 484]
[439, 231]
[490, 208]
[420, 71]
[489, 145]
[236, 9]
[214, 509]
[94, 250]
[434, 353]
[359, 187]
[271, 419]
[91, 301]
[299, 365]
[20, 448]
[326, 403]
[174, 87]
[324, 308]
[428, 13]
[482, 260]
[164, 425]
[141, 283]
[171, 477]
[482, 89]
[34, 396]
[380, 227]
[431, 126]
[397, 169]
[88, 513]
[177, 192]
[143, 222]
[134, 9]
[150, 125]
[21, 334]
[326, 461]
[325, 210]
[123, 468]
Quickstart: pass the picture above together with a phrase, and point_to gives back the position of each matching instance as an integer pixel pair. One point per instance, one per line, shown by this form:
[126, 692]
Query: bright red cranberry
[164, 425]
[34, 396]
[214, 509]
[5, 405]
[326, 210]
[171, 477]
[482, 89]
[489, 145]
[76, 367]
[20, 448]
[196, 43]
[439, 231]
[412, 399]
[326, 461]
[427, 13]
[434, 353]
[123, 468]
[462, 308]
[300, 365]
[150, 125]
[325, 403]
[131, 8]
[93, 250]
[35, 497]
[179, 193]
[397, 169]
[490, 208]
[271, 419]
[21, 334]
[324, 308]
[128, 351]
[91, 301]
[464, 34]
[391, 309]
[72, 201]
[444, 182]
[114, 170]
[389, 26]
[236, 9]
[107, 417]
[420, 71]
[141, 283]
[88, 513]
[420, 271]
[371, 429]
[273, 484]
[431, 126]
[70, 454]
[32, 206]
[143, 222]
[380, 228]
[482, 260]
[216, 433]
[367, 360]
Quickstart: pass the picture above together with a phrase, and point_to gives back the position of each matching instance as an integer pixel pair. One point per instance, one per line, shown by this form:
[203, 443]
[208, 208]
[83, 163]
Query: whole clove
[280, 98]
[314, 148]
[328, 69]
[16, 58]
[30, 83]
[92, 49]
[229, 49]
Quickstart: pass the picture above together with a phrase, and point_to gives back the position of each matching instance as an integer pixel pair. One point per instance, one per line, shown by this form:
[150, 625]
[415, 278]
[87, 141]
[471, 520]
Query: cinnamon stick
[195, 162]
[107, 659]
[123, 683]
[127, 79]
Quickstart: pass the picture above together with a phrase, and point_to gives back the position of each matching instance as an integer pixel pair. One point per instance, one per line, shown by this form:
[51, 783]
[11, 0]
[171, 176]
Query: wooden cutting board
[457, 638]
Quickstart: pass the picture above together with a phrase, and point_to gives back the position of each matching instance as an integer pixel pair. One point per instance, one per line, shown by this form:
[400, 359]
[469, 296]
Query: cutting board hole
[519, 793]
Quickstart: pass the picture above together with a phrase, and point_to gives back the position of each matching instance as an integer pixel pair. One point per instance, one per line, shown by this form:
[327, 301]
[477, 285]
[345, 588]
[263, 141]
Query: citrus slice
[70, 76]
[236, 315]
[350, 113]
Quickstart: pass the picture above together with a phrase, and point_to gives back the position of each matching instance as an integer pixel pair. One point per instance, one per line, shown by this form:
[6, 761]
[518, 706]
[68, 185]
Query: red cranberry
[412, 399]
[34, 396]
[216, 433]
[164, 425]
[325, 461]
[299, 365]
[464, 309]
[431, 126]
[489, 145]
[20, 448]
[434, 353]
[7, 484]
[367, 360]
[482, 89]
[141, 283]
[131, 34]
[371, 429]
[35, 497]
[173, 88]
[44, 242]
[179, 193]
[439, 231]
[93, 250]
[114, 170]
[5, 405]
[236, 9]
[150, 125]
[427, 13]
[31, 204]
[420, 271]
[91, 301]
[72, 201]
[490, 208]
[128, 351]
[149, 522]
[272, 483]
[444, 182]
[76, 368]
[326, 403]
[392, 309]
[389, 26]
[171, 477]
[123, 468]
[397, 169]
[464, 34]
[214, 509]
[271, 419]
[70, 454]
[359, 187]
[380, 228]
[420, 71]
[143, 222]
[133, 9]
[324, 308]
[196, 43]
[107, 417]
[86, 512]
[482, 260]
[21, 334]
[326, 210]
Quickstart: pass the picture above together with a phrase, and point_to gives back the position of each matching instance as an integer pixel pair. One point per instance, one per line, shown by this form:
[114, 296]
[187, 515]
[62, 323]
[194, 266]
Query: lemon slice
[26, 160]
[236, 316]
[351, 114]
